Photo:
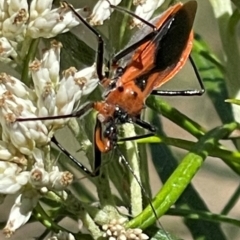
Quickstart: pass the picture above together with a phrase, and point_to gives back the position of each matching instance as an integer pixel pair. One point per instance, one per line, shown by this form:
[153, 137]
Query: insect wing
[161, 57]
[174, 48]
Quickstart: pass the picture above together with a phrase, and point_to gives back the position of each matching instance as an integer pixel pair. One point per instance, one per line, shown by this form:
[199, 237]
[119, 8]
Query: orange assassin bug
[154, 60]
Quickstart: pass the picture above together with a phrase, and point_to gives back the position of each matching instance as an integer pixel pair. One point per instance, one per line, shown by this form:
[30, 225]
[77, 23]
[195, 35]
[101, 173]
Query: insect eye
[112, 84]
[119, 71]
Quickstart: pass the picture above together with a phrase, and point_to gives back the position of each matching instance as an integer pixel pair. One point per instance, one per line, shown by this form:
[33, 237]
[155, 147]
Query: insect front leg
[73, 159]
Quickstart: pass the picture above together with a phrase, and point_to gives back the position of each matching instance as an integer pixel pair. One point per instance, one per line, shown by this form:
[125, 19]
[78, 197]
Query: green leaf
[75, 52]
[32, 45]
[206, 216]
[162, 107]
[168, 163]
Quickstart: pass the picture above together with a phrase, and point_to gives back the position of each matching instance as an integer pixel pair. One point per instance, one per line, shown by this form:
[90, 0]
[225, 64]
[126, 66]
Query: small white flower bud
[20, 212]
[13, 28]
[14, 85]
[45, 74]
[5, 152]
[73, 86]
[51, 61]
[25, 136]
[115, 230]
[39, 8]
[59, 180]
[122, 237]
[6, 49]
[14, 6]
[38, 176]
[102, 11]
[53, 22]
[144, 236]
[40, 76]
[11, 181]
[145, 10]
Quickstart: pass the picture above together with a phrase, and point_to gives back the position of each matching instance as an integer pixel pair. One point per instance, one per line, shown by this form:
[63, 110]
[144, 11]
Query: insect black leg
[100, 48]
[144, 124]
[97, 154]
[73, 159]
[136, 137]
[193, 92]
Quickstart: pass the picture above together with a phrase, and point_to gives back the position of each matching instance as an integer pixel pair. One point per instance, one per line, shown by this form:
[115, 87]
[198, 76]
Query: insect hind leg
[190, 92]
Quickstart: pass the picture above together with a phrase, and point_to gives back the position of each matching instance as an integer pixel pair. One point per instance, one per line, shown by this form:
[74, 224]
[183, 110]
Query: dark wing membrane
[173, 39]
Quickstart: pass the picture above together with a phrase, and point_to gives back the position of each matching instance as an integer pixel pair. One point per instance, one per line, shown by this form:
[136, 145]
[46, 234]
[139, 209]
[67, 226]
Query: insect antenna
[141, 186]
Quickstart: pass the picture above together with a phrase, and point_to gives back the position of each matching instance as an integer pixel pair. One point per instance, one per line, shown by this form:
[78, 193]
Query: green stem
[106, 197]
[117, 172]
[103, 188]
[181, 177]
[201, 215]
[133, 159]
[90, 224]
[43, 218]
[223, 12]
[232, 159]
[162, 107]
[231, 203]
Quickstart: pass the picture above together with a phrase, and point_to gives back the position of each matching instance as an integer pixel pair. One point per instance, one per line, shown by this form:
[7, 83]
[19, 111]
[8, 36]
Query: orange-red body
[150, 66]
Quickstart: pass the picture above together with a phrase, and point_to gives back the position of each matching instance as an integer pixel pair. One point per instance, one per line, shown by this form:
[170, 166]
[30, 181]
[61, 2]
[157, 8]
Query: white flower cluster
[26, 168]
[55, 96]
[22, 158]
[20, 21]
[115, 230]
[144, 9]
[33, 185]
